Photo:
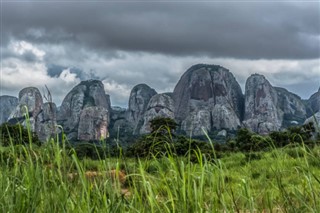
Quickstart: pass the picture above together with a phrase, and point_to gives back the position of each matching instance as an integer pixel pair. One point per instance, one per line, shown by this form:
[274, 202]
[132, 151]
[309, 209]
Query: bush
[89, 150]
[17, 134]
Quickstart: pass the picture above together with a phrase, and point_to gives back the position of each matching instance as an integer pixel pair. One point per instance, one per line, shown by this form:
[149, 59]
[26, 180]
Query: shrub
[89, 150]
[16, 134]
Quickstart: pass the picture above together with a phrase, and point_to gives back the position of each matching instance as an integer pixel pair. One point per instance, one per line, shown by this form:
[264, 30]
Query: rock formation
[209, 97]
[31, 111]
[47, 122]
[93, 123]
[30, 103]
[118, 123]
[138, 101]
[7, 105]
[315, 119]
[292, 106]
[160, 105]
[262, 114]
[313, 104]
[85, 95]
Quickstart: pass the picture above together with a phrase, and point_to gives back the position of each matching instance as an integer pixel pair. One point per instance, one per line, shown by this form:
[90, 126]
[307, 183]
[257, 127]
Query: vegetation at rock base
[55, 177]
[13, 134]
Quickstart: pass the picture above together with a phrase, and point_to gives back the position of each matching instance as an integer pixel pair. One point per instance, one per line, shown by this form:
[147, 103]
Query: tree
[163, 125]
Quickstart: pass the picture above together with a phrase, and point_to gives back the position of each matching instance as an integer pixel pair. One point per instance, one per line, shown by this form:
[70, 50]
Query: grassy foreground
[48, 179]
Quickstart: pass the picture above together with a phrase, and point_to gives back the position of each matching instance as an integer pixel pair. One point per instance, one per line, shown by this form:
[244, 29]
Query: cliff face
[209, 97]
[262, 114]
[292, 106]
[313, 103]
[138, 101]
[31, 110]
[47, 121]
[7, 105]
[160, 105]
[93, 123]
[78, 111]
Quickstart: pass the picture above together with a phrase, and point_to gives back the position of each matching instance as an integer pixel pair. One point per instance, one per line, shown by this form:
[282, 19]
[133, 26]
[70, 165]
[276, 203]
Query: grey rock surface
[160, 105]
[47, 122]
[315, 119]
[222, 133]
[313, 103]
[118, 122]
[262, 114]
[29, 106]
[7, 105]
[93, 124]
[292, 106]
[87, 94]
[208, 97]
[138, 101]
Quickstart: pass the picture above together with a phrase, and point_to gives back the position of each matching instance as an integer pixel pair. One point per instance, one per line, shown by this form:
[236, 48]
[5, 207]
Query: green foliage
[162, 142]
[94, 150]
[248, 141]
[53, 178]
[16, 134]
[162, 125]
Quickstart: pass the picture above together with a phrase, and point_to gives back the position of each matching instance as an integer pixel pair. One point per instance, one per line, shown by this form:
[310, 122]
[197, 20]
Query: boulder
[205, 96]
[160, 105]
[138, 101]
[7, 105]
[222, 133]
[262, 114]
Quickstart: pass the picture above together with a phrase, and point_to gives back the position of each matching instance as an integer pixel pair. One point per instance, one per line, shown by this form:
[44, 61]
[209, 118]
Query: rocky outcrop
[85, 95]
[292, 106]
[31, 111]
[47, 122]
[138, 101]
[313, 103]
[207, 97]
[118, 123]
[7, 105]
[160, 105]
[315, 119]
[30, 103]
[262, 114]
[93, 123]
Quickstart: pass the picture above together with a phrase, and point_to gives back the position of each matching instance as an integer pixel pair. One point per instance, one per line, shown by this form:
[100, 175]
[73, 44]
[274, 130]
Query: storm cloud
[123, 42]
[240, 30]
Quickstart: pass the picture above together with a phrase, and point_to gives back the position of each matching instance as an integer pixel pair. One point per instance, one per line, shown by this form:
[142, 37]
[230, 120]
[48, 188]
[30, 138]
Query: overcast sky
[124, 43]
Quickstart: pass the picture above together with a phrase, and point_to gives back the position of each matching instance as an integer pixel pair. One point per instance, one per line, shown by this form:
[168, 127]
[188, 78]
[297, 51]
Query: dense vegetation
[251, 173]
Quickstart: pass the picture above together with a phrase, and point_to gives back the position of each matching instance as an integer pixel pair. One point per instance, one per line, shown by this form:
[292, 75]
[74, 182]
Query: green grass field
[37, 179]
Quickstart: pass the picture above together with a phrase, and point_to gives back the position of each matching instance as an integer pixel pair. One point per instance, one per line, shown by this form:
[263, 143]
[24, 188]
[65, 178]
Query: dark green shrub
[17, 134]
[280, 139]
[89, 150]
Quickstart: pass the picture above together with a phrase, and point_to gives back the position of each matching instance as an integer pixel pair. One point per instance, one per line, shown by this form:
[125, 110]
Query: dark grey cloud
[54, 70]
[239, 30]
[58, 44]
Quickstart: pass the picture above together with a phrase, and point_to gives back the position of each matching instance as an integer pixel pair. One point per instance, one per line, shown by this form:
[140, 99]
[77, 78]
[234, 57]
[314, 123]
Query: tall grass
[37, 179]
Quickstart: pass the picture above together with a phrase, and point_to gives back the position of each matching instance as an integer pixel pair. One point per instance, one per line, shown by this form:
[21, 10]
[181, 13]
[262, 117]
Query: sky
[123, 43]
